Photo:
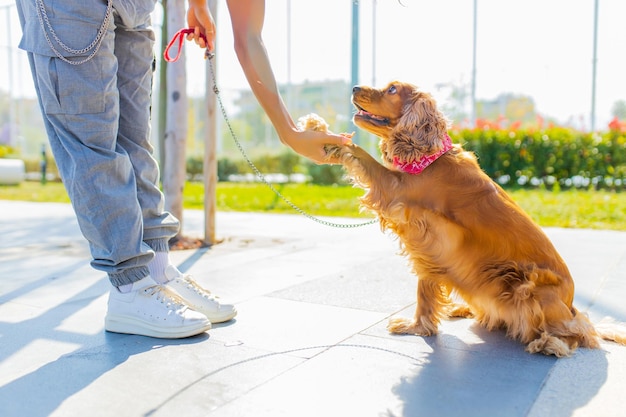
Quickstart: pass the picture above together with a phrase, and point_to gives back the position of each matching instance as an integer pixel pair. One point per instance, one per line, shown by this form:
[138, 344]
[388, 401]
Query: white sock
[157, 266]
[126, 288]
[137, 285]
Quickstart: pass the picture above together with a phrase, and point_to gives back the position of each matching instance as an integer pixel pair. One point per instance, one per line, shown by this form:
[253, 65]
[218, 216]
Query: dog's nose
[356, 89]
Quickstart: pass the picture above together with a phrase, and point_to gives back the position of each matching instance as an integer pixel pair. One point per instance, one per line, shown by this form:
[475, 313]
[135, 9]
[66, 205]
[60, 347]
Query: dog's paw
[340, 154]
[313, 122]
[345, 153]
[550, 345]
[408, 326]
[460, 310]
[333, 151]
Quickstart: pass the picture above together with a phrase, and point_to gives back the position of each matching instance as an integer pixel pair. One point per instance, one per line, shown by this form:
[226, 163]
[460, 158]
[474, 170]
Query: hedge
[552, 157]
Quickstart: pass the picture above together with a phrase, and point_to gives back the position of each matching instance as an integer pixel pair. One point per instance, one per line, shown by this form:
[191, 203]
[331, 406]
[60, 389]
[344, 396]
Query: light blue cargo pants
[97, 117]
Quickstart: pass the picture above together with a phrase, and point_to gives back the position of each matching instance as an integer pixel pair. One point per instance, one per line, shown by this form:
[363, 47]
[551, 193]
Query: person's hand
[199, 19]
[310, 143]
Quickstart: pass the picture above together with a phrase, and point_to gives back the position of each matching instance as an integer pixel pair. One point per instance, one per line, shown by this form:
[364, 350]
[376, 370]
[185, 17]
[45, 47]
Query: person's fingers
[333, 139]
[195, 36]
[200, 19]
[199, 37]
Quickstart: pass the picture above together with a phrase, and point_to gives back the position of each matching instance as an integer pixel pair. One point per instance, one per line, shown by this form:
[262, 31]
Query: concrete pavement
[309, 340]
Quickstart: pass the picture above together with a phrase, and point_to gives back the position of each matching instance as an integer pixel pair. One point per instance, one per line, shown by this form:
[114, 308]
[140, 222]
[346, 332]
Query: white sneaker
[152, 310]
[197, 297]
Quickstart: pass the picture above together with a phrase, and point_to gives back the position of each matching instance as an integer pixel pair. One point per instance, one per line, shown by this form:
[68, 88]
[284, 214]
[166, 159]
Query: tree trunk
[176, 119]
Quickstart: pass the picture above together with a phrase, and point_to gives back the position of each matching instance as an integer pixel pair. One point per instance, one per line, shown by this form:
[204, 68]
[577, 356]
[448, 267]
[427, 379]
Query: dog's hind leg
[562, 328]
[550, 345]
[562, 338]
[454, 309]
[460, 311]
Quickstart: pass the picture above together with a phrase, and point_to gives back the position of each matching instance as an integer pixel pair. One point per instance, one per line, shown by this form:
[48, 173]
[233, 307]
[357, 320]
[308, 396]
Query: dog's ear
[421, 129]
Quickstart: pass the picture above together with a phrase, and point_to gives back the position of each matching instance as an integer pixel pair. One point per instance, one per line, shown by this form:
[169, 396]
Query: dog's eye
[392, 90]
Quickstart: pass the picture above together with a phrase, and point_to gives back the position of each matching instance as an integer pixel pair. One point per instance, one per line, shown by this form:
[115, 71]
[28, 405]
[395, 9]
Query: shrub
[5, 151]
[33, 165]
[326, 174]
[226, 167]
[195, 168]
[550, 156]
[286, 162]
[554, 158]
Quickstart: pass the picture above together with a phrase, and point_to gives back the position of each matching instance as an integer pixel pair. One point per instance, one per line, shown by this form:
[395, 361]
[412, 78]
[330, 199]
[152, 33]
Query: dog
[461, 232]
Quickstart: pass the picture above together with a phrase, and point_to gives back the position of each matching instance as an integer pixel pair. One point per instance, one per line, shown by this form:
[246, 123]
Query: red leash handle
[180, 37]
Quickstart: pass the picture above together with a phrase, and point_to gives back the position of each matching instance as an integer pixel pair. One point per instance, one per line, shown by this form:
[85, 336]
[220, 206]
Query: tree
[619, 109]
[507, 108]
[457, 99]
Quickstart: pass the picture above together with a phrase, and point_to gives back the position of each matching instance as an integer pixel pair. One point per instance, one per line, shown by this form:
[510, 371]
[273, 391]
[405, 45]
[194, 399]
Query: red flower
[616, 125]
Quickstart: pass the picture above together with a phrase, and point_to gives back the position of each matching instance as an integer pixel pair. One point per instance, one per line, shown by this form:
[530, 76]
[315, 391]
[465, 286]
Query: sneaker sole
[128, 326]
[220, 319]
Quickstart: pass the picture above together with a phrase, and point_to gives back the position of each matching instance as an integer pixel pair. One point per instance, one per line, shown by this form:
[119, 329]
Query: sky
[538, 48]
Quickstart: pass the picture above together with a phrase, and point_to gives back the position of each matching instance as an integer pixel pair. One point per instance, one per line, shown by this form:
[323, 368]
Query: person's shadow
[38, 392]
[42, 391]
[496, 378]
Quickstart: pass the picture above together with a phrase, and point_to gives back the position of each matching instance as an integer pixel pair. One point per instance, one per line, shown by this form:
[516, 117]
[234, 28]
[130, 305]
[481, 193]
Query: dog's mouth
[372, 118]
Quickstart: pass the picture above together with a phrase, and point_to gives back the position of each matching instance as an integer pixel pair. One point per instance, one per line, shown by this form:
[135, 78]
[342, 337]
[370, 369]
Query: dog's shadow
[494, 377]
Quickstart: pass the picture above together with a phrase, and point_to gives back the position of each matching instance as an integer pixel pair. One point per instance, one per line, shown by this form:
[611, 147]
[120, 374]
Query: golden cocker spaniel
[460, 230]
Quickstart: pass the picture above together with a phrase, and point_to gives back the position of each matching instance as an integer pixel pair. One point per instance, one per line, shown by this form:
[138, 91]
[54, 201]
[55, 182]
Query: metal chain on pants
[94, 46]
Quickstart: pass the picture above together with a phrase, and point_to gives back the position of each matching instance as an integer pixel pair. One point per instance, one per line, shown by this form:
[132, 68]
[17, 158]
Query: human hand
[199, 19]
[311, 144]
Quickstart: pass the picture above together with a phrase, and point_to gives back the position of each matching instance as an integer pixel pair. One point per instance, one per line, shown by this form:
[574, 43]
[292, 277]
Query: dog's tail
[609, 329]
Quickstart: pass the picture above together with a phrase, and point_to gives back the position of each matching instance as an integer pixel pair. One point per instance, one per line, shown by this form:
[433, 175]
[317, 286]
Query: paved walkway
[309, 340]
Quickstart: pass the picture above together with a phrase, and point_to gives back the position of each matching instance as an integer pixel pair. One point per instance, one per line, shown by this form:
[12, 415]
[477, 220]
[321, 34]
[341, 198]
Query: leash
[179, 37]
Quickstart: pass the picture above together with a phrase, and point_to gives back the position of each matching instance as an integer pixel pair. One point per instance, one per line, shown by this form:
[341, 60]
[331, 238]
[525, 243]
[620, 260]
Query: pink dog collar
[419, 165]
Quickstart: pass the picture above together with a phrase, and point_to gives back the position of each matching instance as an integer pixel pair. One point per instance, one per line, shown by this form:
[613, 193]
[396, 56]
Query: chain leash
[415, 361]
[259, 174]
[94, 46]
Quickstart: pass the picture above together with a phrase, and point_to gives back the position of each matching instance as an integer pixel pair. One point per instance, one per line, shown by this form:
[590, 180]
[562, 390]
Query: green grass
[52, 192]
[318, 200]
[572, 209]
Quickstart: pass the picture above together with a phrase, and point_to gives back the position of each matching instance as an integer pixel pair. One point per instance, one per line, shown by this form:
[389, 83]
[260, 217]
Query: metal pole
[210, 147]
[594, 63]
[371, 139]
[289, 86]
[374, 43]
[355, 61]
[473, 119]
[161, 108]
[12, 102]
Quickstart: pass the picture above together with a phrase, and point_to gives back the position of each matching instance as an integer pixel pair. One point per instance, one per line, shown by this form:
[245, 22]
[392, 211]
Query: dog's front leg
[359, 164]
[431, 303]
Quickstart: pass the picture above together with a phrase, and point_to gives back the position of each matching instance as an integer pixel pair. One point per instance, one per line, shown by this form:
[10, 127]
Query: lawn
[572, 209]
